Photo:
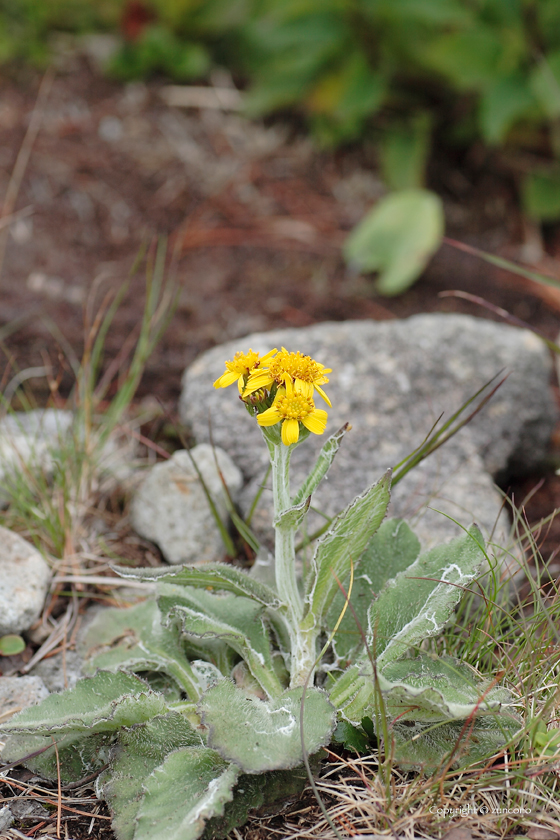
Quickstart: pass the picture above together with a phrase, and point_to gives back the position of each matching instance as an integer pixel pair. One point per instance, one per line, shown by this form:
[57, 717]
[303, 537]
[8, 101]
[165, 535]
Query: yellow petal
[227, 378]
[316, 421]
[259, 379]
[320, 391]
[290, 432]
[269, 417]
[268, 356]
[305, 388]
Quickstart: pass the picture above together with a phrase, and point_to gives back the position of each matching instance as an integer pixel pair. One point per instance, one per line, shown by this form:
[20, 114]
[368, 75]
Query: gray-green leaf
[262, 735]
[238, 622]
[344, 544]
[139, 751]
[135, 639]
[418, 602]
[320, 468]
[425, 747]
[391, 550]
[216, 576]
[181, 794]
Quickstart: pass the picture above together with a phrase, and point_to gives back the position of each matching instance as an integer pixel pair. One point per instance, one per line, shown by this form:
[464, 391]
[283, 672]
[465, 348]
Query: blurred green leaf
[342, 100]
[404, 152]
[541, 195]
[11, 644]
[506, 100]
[397, 238]
[545, 82]
[470, 59]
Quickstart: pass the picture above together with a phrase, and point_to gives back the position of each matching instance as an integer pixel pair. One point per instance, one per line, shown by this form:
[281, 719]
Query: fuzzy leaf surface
[426, 747]
[83, 720]
[188, 788]
[419, 602]
[438, 688]
[139, 751]
[217, 576]
[320, 468]
[262, 735]
[239, 622]
[252, 792]
[136, 640]
[102, 703]
[293, 516]
[392, 549]
[344, 544]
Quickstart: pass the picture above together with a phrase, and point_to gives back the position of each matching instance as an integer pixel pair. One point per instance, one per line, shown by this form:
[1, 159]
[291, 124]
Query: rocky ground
[254, 219]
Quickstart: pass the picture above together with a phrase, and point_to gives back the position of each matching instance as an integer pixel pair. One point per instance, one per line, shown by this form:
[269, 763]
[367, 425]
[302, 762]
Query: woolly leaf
[265, 735]
[188, 788]
[392, 549]
[419, 602]
[236, 621]
[344, 544]
[217, 576]
[139, 751]
[135, 639]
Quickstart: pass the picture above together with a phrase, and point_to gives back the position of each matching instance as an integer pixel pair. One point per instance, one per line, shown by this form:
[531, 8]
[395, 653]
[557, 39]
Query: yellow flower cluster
[290, 380]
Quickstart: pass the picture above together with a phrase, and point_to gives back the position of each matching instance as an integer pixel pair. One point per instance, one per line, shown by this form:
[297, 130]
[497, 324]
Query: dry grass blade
[23, 159]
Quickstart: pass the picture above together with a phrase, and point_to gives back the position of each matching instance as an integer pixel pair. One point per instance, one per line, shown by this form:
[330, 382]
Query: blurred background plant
[399, 75]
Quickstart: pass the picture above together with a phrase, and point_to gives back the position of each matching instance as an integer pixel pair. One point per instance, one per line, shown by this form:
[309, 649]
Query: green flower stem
[285, 554]
[303, 640]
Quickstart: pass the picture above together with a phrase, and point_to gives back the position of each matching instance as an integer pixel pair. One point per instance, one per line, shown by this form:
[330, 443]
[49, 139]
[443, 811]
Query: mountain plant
[219, 694]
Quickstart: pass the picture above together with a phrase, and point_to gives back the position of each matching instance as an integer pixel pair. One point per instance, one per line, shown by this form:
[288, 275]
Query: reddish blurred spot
[136, 16]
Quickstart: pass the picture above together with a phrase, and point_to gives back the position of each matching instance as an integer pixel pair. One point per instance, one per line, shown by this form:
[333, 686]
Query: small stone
[6, 818]
[171, 509]
[24, 581]
[17, 693]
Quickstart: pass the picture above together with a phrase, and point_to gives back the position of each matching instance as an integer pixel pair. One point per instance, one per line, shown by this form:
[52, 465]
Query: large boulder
[392, 381]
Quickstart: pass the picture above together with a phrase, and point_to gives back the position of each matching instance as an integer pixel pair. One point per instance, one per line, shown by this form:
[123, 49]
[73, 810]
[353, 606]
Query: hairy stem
[285, 555]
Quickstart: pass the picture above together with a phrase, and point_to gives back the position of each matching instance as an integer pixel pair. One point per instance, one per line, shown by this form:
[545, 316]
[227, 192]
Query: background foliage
[395, 74]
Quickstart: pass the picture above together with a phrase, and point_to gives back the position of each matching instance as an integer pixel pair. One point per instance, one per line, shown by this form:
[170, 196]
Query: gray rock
[27, 438]
[17, 693]
[24, 580]
[171, 509]
[59, 673]
[6, 818]
[391, 381]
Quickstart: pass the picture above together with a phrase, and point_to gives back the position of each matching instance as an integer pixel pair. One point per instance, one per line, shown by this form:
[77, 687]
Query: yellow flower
[291, 407]
[240, 368]
[303, 372]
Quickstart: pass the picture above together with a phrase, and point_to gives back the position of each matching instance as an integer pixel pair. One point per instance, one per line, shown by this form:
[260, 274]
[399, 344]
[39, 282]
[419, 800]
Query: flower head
[303, 372]
[240, 368]
[291, 407]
